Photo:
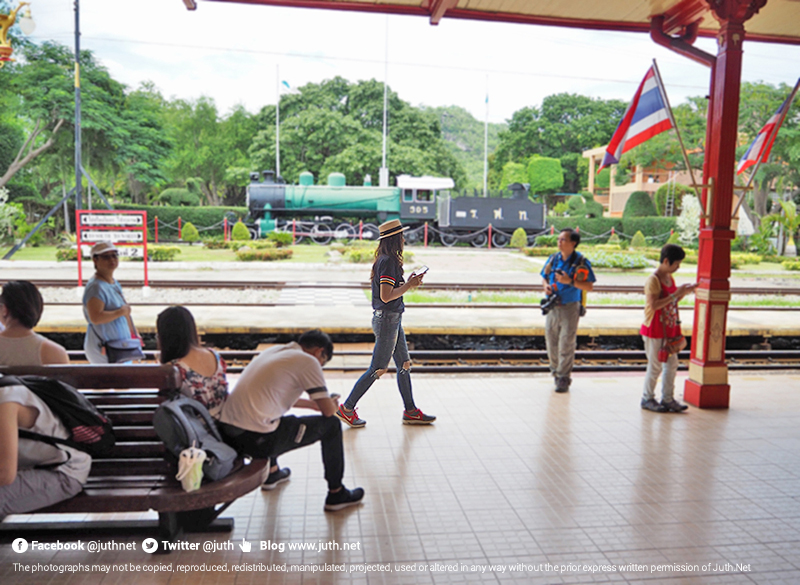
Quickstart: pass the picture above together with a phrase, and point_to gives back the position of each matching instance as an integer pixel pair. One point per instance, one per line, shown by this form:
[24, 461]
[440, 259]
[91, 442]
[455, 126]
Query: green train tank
[269, 201]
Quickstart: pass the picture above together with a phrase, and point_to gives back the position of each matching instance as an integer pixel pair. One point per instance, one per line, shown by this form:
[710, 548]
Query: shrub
[519, 239]
[678, 191]
[559, 208]
[613, 239]
[638, 240]
[263, 255]
[362, 255]
[281, 239]
[216, 244]
[689, 220]
[739, 259]
[162, 253]
[240, 232]
[66, 254]
[547, 240]
[199, 216]
[791, 264]
[602, 259]
[587, 225]
[539, 251]
[639, 204]
[675, 238]
[189, 233]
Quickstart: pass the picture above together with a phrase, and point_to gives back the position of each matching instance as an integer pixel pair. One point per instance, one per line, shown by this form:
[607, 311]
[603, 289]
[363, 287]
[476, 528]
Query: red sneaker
[417, 417]
[351, 419]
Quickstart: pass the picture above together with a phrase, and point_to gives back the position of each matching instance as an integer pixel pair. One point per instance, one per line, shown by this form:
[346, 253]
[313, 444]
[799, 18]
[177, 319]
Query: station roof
[777, 21]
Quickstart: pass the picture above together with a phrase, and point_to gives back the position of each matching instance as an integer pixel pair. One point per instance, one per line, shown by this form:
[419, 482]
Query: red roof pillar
[707, 386]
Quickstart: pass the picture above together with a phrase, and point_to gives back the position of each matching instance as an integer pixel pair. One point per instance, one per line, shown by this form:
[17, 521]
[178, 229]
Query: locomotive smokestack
[269, 176]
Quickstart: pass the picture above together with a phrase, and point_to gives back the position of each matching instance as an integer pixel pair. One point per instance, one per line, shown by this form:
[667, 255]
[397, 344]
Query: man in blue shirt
[567, 275]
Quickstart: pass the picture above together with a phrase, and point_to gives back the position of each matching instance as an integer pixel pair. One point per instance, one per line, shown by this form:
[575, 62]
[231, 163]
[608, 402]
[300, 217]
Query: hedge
[602, 259]
[539, 251]
[639, 204]
[589, 226]
[791, 264]
[263, 255]
[650, 227]
[200, 216]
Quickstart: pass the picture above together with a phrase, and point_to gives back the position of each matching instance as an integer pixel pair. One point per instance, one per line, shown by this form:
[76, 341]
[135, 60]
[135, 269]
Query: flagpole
[277, 122]
[675, 125]
[486, 143]
[383, 174]
[770, 139]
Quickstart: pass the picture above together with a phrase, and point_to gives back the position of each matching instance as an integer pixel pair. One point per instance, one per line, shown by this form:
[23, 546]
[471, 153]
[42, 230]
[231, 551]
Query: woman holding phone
[388, 287]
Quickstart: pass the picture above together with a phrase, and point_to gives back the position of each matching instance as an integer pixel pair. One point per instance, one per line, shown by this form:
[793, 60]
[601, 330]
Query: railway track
[480, 287]
[522, 361]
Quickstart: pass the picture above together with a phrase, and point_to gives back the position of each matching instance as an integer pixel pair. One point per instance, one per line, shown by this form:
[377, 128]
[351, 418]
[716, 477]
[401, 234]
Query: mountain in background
[463, 135]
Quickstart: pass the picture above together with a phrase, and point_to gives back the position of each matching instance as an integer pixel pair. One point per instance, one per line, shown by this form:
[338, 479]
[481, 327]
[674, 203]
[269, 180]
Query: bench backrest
[95, 377]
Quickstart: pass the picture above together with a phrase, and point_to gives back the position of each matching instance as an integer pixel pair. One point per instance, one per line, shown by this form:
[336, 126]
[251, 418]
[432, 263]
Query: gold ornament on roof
[6, 22]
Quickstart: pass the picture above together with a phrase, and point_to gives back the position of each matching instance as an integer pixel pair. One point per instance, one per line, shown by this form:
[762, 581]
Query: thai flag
[647, 116]
[762, 145]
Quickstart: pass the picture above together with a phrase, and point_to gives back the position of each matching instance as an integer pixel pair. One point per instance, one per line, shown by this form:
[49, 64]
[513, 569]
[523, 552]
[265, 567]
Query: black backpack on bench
[89, 430]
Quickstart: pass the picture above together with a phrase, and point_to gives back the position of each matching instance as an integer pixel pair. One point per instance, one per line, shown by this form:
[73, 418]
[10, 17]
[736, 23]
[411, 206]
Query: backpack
[581, 273]
[181, 423]
[89, 430]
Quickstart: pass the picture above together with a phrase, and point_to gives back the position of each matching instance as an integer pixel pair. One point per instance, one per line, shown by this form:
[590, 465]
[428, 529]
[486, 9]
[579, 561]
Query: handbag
[123, 350]
[670, 345]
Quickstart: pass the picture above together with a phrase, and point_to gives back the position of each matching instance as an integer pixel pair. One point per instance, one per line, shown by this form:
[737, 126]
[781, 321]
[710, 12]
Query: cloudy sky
[232, 53]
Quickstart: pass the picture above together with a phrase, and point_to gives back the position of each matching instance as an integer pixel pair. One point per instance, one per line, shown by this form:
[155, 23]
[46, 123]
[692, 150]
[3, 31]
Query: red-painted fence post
[294, 227]
[225, 229]
[489, 242]
[426, 234]
[361, 229]
[156, 229]
[179, 228]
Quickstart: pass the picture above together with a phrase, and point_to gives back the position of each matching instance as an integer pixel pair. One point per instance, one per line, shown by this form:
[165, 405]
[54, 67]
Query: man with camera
[566, 275]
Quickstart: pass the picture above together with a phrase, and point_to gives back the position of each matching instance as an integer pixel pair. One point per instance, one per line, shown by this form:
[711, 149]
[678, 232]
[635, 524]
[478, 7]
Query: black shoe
[562, 384]
[673, 406]
[343, 498]
[653, 405]
[275, 478]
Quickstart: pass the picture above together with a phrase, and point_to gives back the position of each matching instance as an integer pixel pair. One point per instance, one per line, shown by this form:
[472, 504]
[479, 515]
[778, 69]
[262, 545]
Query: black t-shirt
[387, 270]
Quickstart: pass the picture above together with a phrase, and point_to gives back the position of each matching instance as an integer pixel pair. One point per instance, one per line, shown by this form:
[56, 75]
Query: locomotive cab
[419, 195]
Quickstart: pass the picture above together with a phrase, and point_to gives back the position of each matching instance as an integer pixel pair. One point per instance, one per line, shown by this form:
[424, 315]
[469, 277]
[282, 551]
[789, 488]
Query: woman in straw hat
[388, 287]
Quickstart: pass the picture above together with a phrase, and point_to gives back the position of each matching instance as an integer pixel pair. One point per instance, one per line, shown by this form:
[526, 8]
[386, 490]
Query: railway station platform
[514, 484]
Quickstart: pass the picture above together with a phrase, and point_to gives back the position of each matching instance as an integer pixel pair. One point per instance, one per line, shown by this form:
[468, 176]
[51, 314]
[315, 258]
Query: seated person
[21, 307]
[202, 370]
[25, 487]
[254, 420]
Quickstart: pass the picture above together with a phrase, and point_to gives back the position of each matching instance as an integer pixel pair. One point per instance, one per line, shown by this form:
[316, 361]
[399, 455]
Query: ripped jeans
[390, 341]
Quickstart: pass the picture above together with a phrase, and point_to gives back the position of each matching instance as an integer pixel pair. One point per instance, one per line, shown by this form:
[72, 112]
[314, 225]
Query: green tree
[544, 175]
[513, 173]
[639, 204]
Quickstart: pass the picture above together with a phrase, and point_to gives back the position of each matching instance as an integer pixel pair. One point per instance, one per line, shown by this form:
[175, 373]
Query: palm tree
[790, 221]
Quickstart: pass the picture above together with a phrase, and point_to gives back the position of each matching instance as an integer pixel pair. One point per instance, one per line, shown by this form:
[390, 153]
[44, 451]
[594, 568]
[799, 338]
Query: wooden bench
[135, 476]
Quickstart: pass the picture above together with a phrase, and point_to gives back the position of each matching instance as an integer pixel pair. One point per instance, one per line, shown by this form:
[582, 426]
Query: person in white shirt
[34, 474]
[254, 421]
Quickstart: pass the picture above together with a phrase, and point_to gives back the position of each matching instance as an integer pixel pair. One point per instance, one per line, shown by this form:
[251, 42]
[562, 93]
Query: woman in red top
[661, 322]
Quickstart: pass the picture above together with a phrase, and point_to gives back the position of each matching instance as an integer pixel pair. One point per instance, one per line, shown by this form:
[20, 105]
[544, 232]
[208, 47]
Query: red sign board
[121, 228]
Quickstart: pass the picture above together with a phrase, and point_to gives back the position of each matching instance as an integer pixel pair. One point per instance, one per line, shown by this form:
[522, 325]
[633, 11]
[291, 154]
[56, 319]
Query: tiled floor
[517, 484]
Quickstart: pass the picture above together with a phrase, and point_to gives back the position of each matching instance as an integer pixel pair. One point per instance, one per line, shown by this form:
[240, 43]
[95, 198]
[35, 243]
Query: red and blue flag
[761, 147]
[646, 116]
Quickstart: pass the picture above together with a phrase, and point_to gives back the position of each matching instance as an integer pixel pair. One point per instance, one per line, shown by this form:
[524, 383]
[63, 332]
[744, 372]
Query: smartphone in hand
[421, 271]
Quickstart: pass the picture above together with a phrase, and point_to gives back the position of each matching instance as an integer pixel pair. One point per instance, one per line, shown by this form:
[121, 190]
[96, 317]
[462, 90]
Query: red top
[670, 316]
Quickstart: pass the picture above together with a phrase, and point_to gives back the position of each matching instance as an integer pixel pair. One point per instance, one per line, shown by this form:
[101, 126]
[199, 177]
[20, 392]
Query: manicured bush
[162, 253]
[216, 244]
[613, 239]
[362, 255]
[656, 229]
[519, 239]
[281, 239]
[660, 198]
[791, 264]
[539, 251]
[199, 216]
[251, 245]
[240, 232]
[263, 255]
[639, 204]
[602, 259]
[189, 233]
[638, 240]
[740, 259]
[545, 175]
[548, 240]
[588, 225]
[66, 254]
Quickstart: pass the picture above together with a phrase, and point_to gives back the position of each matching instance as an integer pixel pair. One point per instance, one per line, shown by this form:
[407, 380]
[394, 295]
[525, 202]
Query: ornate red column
[707, 386]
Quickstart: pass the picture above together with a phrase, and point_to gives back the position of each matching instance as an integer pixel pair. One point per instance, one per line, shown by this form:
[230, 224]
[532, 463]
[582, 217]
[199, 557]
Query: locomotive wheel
[369, 232]
[321, 233]
[344, 231]
[253, 233]
[479, 240]
[448, 240]
[499, 240]
[412, 237]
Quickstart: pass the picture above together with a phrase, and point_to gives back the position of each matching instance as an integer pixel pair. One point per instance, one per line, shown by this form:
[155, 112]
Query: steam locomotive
[340, 211]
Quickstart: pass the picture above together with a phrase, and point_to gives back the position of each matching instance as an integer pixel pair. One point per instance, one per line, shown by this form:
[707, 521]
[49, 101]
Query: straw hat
[391, 228]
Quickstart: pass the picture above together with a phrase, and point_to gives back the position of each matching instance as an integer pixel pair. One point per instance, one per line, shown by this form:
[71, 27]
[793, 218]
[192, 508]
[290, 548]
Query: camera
[549, 302]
